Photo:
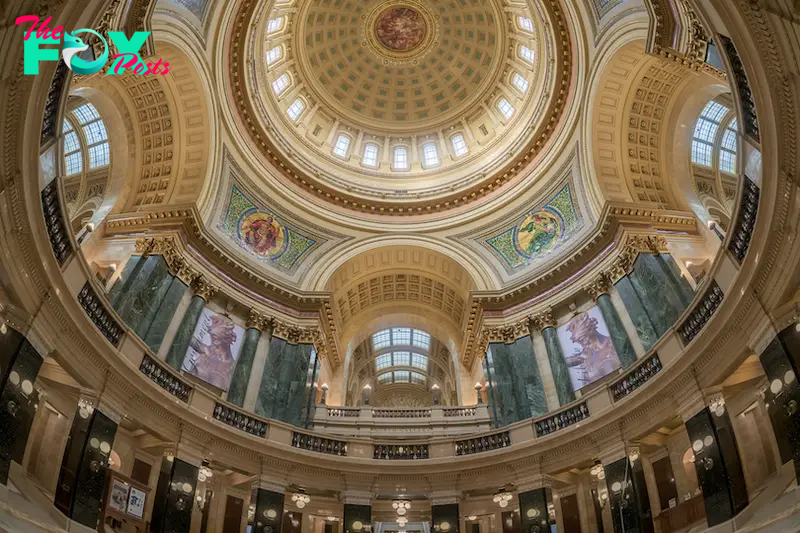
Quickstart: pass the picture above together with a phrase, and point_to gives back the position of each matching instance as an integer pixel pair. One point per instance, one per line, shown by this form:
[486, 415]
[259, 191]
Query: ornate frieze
[484, 443]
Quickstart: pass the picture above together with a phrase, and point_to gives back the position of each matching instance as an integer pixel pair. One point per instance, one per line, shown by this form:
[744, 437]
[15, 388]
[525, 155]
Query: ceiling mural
[537, 233]
[256, 227]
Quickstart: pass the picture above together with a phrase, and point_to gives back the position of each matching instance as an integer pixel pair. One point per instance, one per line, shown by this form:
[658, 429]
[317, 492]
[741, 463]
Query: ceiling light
[502, 498]
[300, 499]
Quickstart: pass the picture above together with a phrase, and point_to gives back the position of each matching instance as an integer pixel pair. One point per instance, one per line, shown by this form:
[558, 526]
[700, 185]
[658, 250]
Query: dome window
[525, 24]
[520, 82]
[73, 158]
[727, 153]
[705, 132]
[430, 155]
[505, 107]
[459, 145]
[341, 146]
[95, 137]
[280, 84]
[274, 25]
[296, 109]
[370, 158]
[526, 53]
[274, 54]
[400, 158]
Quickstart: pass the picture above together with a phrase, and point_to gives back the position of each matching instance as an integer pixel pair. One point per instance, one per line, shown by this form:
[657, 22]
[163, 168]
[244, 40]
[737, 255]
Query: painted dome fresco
[400, 106]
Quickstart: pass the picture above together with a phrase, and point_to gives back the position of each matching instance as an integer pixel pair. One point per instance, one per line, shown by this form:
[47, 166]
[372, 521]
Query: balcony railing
[240, 420]
[485, 443]
[401, 413]
[636, 377]
[313, 443]
[400, 451]
[564, 419]
[164, 378]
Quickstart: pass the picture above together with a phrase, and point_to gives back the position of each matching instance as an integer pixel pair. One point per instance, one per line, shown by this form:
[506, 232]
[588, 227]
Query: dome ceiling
[399, 66]
[400, 106]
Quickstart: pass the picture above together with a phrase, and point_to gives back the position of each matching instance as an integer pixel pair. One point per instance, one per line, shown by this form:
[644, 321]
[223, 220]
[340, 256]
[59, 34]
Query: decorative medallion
[400, 31]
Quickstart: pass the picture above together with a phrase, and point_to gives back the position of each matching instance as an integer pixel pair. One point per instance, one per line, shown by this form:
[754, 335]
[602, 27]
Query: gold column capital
[260, 321]
[543, 320]
[203, 288]
[599, 286]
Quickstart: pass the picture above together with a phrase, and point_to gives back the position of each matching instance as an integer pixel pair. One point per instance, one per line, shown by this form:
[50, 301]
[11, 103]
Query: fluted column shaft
[177, 352]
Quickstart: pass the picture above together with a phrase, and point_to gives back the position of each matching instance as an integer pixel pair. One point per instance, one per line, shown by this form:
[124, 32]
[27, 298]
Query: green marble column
[123, 283]
[283, 384]
[641, 321]
[659, 296]
[244, 365]
[517, 383]
[177, 352]
[163, 316]
[625, 351]
[682, 284]
[558, 366]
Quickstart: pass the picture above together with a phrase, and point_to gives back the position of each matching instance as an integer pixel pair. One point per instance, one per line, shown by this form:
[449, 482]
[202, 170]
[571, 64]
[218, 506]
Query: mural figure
[262, 234]
[400, 29]
[213, 350]
[538, 233]
[588, 351]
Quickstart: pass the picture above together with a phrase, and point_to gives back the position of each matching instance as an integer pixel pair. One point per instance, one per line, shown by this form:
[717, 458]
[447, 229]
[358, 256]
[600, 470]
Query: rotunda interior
[399, 266]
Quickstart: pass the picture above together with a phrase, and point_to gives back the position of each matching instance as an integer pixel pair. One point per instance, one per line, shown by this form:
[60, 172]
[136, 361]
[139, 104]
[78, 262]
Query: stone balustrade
[343, 412]
[60, 240]
[701, 313]
[460, 411]
[240, 420]
[637, 377]
[563, 419]
[165, 378]
[400, 451]
[100, 315]
[401, 413]
[483, 443]
[745, 220]
[313, 443]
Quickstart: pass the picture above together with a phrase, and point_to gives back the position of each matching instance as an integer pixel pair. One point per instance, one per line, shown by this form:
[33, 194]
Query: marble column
[659, 293]
[558, 366]
[162, 317]
[269, 507]
[259, 363]
[542, 362]
[717, 462]
[633, 304]
[360, 515]
[174, 496]
[518, 387]
[244, 364]
[534, 509]
[203, 292]
[19, 400]
[129, 273]
[598, 290]
[140, 296]
[627, 492]
[82, 478]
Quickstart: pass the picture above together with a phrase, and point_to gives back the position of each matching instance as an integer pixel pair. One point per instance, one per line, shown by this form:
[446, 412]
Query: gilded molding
[260, 321]
[599, 286]
[544, 320]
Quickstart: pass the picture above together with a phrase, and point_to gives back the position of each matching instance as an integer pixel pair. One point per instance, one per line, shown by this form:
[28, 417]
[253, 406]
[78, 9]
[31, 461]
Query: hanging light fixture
[205, 472]
[598, 471]
[502, 498]
[300, 499]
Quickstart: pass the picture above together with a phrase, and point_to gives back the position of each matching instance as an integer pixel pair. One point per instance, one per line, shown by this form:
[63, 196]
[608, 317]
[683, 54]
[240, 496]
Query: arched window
[280, 84]
[526, 53]
[525, 24]
[705, 133]
[274, 24]
[505, 107]
[400, 158]
[519, 82]
[728, 148]
[370, 157]
[94, 148]
[296, 109]
[459, 146]
[274, 54]
[341, 146]
[430, 155]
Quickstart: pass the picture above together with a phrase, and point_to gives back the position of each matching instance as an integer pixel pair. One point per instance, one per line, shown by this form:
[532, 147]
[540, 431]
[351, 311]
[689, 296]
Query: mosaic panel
[196, 7]
[538, 233]
[261, 232]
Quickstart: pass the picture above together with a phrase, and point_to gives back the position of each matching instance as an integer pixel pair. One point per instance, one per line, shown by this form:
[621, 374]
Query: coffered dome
[402, 101]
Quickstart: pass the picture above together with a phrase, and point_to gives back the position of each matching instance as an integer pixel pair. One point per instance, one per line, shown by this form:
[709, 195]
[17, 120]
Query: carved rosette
[543, 320]
[203, 288]
[600, 285]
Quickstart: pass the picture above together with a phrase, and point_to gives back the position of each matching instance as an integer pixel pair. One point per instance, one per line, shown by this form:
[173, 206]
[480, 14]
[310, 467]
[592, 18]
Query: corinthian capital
[544, 320]
[600, 285]
[203, 288]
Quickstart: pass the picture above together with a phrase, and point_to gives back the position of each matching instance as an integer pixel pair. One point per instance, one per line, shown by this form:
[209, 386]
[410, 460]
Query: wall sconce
[478, 388]
[435, 390]
[602, 498]
[324, 393]
[367, 391]
[715, 228]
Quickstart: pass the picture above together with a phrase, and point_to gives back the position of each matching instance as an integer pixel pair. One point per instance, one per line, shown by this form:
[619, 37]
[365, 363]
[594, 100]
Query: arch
[370, 155]
[401, 161]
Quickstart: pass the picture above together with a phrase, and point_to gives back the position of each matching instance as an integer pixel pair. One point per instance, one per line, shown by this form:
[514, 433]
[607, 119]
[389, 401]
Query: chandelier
[402, 507]
[205, 472]
[300, 499]
[598, 471]
[502, 498]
